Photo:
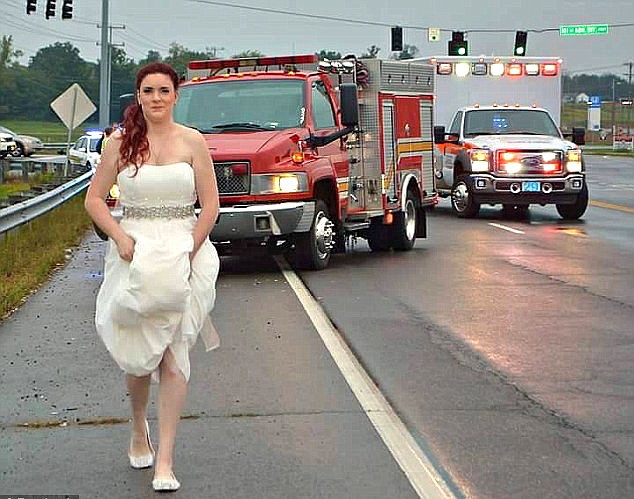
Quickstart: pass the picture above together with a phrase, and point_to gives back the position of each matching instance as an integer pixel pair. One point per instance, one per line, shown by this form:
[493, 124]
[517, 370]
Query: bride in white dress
[160, 267]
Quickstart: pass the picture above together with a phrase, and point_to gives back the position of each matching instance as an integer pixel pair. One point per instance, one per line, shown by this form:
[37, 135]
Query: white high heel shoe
[166, 484]
[140, 462]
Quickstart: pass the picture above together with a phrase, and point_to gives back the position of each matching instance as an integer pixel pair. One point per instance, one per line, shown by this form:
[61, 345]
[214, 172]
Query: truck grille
[232, 177]
[529, 162]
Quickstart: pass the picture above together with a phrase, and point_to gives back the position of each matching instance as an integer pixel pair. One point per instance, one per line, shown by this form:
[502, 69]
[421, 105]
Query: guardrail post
[3, 164]
[25, 171]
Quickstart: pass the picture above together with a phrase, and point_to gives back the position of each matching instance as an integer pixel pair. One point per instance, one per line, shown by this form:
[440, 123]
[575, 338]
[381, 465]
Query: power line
[377, 23]
[23, 25]
[592, 69]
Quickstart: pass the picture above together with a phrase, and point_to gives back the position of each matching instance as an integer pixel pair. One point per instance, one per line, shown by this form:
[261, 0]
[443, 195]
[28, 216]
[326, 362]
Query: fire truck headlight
[279, 183]
[573, 161]
[114, 191]
[479, 160]
[496, 69]
[463, 69]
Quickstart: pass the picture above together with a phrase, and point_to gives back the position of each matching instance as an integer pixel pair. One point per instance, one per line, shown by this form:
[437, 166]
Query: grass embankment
[15, 186]
[29, 254]
[12, 188]
[46, 131]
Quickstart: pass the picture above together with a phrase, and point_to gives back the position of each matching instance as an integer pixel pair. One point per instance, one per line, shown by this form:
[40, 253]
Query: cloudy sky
[232, 26]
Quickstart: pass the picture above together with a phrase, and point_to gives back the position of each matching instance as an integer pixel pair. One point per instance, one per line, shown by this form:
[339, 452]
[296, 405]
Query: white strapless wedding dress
[159, 300]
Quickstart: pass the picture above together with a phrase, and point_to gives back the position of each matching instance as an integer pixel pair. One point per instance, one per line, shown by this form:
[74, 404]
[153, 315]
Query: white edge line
[419, 470]
[504, 227]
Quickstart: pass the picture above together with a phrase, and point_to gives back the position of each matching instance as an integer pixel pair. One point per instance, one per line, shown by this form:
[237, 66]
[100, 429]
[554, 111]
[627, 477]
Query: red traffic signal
[31, 6]
[397, 39]
[67, 9]
[50, 9]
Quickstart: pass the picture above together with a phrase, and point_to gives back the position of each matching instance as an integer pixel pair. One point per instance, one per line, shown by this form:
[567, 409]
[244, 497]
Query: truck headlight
[479, 160]
[114, 191]
[573, 161]
[279, 183]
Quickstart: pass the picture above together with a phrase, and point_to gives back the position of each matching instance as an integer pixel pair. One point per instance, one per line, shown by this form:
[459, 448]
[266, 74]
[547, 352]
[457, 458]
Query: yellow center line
[610, 206]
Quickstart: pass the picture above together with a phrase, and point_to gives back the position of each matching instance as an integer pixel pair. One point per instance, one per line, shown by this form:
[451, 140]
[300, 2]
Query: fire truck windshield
[241, 105]
[509, 121]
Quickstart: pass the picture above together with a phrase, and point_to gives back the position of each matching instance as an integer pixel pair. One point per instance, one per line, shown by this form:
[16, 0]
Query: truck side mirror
[349, 104]
[579, 135]
[439, 134]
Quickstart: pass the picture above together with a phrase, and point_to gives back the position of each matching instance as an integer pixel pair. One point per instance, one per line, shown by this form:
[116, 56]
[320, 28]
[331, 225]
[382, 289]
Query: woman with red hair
[160, 267]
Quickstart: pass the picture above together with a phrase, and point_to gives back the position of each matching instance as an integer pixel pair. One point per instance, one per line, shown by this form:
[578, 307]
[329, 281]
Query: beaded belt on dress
[158, 211]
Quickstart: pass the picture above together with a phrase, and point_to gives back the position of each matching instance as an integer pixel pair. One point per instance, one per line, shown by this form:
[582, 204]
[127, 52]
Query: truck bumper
[262, 220]
[488, 189]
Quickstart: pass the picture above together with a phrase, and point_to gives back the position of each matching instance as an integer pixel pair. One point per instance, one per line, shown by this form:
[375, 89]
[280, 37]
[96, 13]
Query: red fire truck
[309, 155]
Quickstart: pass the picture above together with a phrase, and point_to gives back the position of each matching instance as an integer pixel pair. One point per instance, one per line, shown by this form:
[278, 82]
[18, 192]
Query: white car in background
[25, 144]
[7, 145]
[85, 151]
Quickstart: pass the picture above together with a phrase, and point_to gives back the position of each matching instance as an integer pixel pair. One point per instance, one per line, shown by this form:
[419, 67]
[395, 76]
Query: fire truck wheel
[313, 248]
[462, 198]
[379, 235]
[404, 228]
[575, 210]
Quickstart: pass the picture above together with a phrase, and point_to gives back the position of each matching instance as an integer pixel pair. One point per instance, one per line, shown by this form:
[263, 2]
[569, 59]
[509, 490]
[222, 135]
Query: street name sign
[583, 29]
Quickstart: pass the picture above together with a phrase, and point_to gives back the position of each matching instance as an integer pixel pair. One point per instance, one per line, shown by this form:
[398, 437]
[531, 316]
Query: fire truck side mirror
[579, 135]
[349, 104]
[439, 134]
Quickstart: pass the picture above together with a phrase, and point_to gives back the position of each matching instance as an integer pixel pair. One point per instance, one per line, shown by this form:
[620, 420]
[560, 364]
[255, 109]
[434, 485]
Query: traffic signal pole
[104, 73]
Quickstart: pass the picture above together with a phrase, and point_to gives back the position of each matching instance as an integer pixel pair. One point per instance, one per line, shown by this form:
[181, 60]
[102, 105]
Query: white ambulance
[503, 144]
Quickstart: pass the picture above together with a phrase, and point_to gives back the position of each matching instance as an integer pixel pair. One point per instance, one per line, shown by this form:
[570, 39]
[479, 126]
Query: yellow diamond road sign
[433, 34]
[73, 106]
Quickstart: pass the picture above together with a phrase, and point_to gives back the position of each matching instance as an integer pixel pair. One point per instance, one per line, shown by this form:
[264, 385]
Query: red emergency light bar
[254, 61]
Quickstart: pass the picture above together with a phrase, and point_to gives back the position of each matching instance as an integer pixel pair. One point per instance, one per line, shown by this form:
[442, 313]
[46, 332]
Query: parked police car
[85, 151]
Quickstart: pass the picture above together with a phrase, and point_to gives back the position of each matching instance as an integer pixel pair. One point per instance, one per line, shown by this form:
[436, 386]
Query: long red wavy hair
[135, 147]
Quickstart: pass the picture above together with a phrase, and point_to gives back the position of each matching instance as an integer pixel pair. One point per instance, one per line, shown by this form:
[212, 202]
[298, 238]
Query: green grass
[13, 186]
[29, 254]
[46, 131]
[608, 151]
[577, 115]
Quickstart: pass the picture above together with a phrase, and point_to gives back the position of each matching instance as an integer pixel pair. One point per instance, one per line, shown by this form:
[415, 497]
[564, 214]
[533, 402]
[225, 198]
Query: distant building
[582, 98]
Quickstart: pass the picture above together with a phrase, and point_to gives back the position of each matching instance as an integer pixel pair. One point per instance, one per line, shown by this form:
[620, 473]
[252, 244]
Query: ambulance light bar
[462, 69]
[254, 61]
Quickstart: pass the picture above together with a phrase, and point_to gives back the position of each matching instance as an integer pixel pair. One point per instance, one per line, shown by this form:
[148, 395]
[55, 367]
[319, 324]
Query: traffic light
[50, 9]
[520, 43]
[458, 45]
[397, 39]
[31, 6]
[67, 9]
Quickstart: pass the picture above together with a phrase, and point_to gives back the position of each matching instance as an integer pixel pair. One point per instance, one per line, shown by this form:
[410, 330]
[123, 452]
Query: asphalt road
[504, 345]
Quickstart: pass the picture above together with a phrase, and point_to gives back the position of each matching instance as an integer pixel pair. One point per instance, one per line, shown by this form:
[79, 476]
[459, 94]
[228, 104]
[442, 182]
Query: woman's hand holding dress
[125, 247]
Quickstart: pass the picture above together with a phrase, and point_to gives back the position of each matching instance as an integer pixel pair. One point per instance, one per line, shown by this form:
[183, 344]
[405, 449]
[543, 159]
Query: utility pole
[104, 80]
[629, 91]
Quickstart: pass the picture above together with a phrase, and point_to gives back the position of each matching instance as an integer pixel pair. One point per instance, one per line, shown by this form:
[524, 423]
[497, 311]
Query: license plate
[530, 186]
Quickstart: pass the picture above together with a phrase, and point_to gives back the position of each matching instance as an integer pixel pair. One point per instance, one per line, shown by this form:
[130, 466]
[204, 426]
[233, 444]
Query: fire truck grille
[529, 162]
[232, 177]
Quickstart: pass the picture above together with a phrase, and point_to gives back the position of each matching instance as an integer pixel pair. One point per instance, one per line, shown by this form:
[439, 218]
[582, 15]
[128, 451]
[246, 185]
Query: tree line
[26, 91]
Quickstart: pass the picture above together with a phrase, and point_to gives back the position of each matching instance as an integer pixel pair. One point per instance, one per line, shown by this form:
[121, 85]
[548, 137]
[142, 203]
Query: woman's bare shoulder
[188, 132]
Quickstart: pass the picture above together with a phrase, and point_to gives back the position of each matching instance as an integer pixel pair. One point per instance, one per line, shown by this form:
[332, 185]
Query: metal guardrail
[26, 211]
[55, 146]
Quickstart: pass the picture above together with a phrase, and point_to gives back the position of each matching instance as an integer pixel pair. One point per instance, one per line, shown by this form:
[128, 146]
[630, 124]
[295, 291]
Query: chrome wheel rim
[460, 197]
[410, 219]
[324, 235]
